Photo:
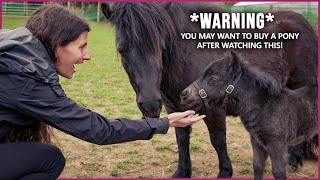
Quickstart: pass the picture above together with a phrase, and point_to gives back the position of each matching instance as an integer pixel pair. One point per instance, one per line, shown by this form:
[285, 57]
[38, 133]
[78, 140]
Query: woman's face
[76, 52]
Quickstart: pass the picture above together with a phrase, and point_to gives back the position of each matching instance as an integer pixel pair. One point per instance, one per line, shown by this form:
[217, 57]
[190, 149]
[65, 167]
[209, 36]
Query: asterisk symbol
[194, 17]
[269, 17]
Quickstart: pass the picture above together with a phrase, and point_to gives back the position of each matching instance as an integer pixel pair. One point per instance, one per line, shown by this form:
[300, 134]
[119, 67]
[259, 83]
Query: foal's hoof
[182, 174]
[225, 174]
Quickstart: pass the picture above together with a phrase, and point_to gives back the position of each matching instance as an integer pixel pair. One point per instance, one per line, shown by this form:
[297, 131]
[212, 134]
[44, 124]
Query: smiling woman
[64, 35]
[31, 58]
[73, 53]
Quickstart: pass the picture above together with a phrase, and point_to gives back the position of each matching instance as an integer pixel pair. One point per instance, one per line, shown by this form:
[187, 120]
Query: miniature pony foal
[275, 117]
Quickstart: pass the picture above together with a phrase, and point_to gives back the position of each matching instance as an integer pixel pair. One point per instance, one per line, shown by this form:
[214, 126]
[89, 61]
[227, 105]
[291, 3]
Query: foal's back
[293, 114]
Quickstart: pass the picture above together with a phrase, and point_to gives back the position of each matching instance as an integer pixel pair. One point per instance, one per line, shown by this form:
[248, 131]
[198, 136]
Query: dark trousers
[30, 161]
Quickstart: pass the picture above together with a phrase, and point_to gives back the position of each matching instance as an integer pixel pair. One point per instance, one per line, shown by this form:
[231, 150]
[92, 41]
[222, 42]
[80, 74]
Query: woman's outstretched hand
[183, 119]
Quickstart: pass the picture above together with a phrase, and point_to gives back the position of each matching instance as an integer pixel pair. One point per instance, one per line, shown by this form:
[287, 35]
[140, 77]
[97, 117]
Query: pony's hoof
[182, 174]
[292, 168]
[225, 174]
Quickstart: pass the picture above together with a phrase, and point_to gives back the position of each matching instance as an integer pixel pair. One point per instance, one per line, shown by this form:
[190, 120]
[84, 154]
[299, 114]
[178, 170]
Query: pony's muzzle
[151, 108]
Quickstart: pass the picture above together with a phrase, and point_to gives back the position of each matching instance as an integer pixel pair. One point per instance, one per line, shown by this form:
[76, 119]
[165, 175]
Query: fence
[91, 10]
[308, 9]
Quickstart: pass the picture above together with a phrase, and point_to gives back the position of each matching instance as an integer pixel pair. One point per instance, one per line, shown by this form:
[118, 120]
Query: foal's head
[221, 77]
[213, 83]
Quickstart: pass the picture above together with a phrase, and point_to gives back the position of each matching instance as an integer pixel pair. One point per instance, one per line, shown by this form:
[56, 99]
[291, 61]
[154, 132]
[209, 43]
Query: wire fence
[308, 9]
[91, 10]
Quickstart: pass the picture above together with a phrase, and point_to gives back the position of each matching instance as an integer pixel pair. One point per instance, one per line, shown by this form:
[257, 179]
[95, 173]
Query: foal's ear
[106, 10]
[233, 61]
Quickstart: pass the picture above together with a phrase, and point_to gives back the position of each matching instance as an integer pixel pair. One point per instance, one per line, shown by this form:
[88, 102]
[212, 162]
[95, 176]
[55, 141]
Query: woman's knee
[57, 161]
[57, 155]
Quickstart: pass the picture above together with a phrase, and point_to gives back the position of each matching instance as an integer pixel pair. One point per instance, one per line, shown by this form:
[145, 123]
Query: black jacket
[30, 91]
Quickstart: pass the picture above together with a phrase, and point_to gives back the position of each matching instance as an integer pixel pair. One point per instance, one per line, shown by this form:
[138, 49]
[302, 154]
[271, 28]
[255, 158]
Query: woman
[31, 97]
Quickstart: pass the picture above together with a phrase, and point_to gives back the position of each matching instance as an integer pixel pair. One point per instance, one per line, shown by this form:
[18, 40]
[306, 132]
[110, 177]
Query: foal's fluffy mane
[258, 78]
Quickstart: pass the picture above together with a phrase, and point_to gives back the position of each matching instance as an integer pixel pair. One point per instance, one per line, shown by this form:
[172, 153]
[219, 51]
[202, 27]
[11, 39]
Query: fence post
[5, 7]
[309, 12]
[98, 12]
[68, 5]
[82, 6]
[27, 10]
[24, 8]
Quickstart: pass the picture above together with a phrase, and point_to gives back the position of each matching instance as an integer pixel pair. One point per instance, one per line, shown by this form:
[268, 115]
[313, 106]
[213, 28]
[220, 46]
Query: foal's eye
[214, 80]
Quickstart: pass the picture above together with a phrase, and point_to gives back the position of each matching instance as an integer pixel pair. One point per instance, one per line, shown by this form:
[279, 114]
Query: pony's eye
[121, 51]
[214, 80]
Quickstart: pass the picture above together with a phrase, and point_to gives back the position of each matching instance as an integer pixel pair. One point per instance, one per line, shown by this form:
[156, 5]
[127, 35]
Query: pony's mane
[147, 25]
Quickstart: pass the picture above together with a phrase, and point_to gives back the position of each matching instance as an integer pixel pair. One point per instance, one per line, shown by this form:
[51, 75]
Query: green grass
[163, 147]
[114, 173]
[194, 147]
[12, 22]
[245, 171]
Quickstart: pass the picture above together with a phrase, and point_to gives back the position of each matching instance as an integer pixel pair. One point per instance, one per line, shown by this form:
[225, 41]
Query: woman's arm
[50, 105]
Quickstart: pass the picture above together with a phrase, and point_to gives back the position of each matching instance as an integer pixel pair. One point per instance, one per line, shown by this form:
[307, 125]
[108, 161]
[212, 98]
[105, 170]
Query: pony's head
[222, 77]
[143, 33]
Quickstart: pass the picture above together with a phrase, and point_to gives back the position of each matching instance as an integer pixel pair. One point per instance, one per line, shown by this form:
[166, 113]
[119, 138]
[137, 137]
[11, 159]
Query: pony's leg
[297, 153]
[183, 140]
[259, 159]
[295, 157]
[216, 123]
[277, 153]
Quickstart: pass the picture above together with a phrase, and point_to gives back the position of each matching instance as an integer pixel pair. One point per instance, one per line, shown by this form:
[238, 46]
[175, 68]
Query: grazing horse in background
[160, 64]
[273, 121]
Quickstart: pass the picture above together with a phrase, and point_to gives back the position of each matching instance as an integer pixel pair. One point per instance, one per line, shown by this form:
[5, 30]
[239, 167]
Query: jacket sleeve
[50, 105]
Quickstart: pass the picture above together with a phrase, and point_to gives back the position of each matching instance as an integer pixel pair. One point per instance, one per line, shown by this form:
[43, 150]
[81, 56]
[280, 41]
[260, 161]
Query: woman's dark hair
[54, 25]
[39, 132]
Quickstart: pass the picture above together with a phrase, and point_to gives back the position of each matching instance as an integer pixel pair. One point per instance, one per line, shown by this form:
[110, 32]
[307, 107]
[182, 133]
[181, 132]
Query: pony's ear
[106, 10]
[165, 5]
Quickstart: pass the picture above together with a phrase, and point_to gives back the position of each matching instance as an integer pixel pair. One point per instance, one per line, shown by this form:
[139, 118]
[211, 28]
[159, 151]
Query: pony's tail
[310, 148]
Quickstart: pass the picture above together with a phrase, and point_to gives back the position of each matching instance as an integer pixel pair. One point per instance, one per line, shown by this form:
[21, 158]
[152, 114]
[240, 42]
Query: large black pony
[288, 117]
[160, 64]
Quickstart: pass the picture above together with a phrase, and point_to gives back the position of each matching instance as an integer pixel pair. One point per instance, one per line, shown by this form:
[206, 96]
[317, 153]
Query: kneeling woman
[31, 97]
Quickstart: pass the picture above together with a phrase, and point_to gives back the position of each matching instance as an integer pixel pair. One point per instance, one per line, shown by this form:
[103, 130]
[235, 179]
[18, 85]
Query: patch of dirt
[158, 158]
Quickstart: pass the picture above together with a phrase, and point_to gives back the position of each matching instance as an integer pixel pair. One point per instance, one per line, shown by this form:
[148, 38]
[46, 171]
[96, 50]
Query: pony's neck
[173, 64]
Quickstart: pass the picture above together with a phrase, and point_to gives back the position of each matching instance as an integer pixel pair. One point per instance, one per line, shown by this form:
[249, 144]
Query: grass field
[102, 86]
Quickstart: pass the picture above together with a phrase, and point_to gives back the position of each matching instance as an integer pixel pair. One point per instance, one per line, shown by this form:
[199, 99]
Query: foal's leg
[259, 159]
[277, 153]
[216, 123]
[183, 140]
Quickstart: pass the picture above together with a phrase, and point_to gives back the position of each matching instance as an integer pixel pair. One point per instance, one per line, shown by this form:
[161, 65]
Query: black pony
[273, 121]
[160, 64]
